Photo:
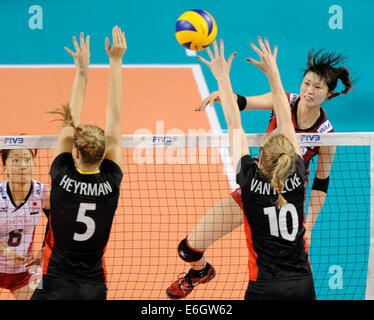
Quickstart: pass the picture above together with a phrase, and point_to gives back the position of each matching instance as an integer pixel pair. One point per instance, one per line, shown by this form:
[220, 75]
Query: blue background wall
[296, 26]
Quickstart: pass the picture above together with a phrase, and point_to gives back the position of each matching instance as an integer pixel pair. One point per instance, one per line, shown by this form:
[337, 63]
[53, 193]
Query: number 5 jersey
[82, 211]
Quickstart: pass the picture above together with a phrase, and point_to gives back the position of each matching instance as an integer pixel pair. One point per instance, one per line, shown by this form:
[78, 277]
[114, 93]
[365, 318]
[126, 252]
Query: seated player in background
[319, 82]
[86, 175]
[22, 201]
[273, 189]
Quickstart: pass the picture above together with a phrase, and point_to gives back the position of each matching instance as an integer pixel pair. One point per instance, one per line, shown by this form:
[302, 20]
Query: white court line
[129, 66]
[191, 53]
[215, 124]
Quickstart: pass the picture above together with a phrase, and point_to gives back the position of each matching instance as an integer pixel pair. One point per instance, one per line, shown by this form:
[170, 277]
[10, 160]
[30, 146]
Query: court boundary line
[215, 124]
[97, 66]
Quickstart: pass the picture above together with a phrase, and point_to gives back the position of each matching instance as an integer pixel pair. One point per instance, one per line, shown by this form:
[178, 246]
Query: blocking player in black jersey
[308, 116]
[273, 189]
[86, 175]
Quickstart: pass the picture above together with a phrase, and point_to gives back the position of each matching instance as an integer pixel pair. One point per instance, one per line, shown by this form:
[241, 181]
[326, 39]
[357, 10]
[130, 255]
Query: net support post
[370, 273]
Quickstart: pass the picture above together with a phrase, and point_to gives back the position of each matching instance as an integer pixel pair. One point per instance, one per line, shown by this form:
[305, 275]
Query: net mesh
[166, 190]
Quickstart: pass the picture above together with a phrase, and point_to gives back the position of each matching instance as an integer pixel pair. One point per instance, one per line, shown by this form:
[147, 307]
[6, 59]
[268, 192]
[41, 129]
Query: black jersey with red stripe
[322, 125]
[81, 216]
[275, 237]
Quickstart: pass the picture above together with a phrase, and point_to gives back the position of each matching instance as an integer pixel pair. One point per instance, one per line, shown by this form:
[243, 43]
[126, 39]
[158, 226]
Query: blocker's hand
[218, 65]
[267, 63]
[81, 55]
[119, 47]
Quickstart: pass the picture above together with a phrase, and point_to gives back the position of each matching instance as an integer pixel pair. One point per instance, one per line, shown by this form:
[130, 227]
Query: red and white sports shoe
[185, 284]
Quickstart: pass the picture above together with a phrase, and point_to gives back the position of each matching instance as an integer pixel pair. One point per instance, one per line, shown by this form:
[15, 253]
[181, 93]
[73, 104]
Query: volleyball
[196, 29]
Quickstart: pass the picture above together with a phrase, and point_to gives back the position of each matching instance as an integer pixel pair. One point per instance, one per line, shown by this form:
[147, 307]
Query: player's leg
[23, 293]
[224, 217]
[22, 285]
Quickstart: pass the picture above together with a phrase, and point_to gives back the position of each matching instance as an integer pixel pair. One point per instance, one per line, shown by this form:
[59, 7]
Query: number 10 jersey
[275, 237]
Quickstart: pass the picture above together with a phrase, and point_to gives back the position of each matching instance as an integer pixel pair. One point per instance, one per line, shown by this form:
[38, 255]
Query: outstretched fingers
[275, 52]
[81, 39]
[222, 48]
[88, 43]
[204, 60]
[75, 43]
[210, 54]
[231, 57]
[257, 50]
[107, 44]
[262, 45]
[69, 51]
[215, 48]
[83, 45]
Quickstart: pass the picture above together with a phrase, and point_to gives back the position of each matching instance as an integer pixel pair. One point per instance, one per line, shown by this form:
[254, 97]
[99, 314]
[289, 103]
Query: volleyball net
[171, 181]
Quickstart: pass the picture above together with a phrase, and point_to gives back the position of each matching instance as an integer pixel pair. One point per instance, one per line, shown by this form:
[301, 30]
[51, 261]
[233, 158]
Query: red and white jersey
[322, 125]
[17, 224]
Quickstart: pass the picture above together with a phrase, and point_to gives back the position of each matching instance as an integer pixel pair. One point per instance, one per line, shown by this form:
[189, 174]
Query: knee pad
[188, 254]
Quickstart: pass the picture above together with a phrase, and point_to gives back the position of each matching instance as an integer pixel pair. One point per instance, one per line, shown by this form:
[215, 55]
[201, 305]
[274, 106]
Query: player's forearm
[261, 102]
[77, 96]
[317, 199]
[238, 144]
[115, 87]
[229, 104]
[280, 101]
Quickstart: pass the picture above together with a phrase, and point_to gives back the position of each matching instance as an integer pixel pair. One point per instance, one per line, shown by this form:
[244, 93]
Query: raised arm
[220, 69]
[82, 60]
[260, 102]
[282, 109]
[113, 129]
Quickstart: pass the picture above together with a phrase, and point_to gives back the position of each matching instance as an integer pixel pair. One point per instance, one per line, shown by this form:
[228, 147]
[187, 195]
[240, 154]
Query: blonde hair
[278, 159]
[88, 139]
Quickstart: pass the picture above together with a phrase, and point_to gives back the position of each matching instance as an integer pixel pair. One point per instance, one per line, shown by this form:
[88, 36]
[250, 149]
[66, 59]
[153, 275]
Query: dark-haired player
[22, 201]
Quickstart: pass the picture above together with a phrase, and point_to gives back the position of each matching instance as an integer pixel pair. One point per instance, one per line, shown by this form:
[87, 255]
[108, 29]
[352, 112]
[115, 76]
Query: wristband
[321, 184]
[242, 102]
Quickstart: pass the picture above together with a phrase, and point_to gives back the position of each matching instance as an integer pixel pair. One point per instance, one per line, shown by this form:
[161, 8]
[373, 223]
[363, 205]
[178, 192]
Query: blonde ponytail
[65, 115]
[281, 172]
[88, 139]
[278, 163]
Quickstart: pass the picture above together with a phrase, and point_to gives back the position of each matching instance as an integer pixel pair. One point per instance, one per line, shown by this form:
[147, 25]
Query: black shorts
[295, 289]
[54, 288]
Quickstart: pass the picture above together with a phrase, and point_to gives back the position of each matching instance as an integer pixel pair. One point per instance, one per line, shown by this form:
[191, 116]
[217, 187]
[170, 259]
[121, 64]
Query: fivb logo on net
[13, 141]
[175, 146]
[310, 138]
